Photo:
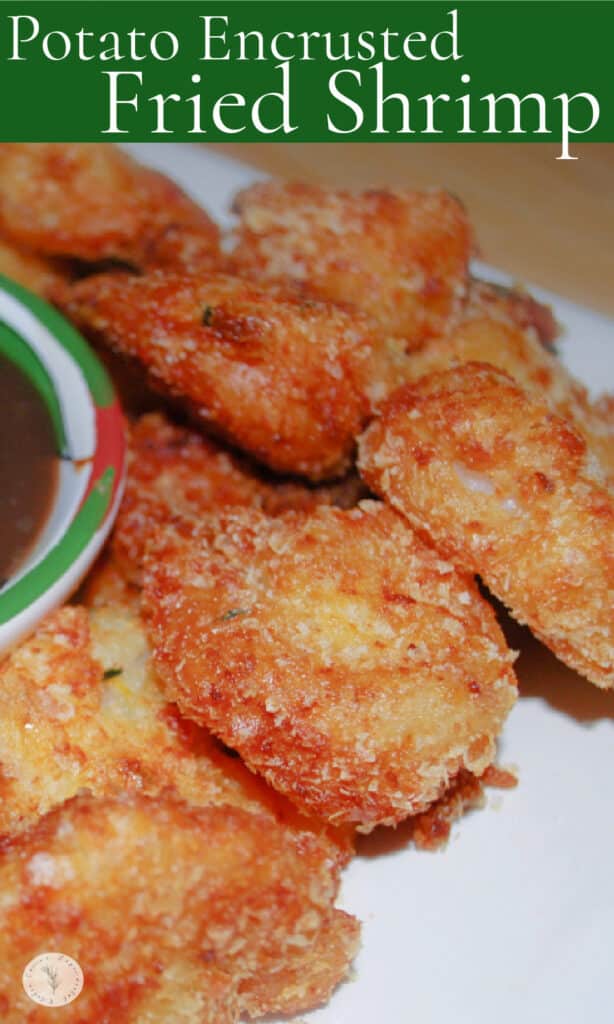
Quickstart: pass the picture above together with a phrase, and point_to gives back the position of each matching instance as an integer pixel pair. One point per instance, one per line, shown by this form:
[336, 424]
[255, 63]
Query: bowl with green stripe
[89, 440]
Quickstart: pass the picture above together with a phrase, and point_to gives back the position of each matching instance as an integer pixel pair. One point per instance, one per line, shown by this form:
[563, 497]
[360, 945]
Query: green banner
[308, 72]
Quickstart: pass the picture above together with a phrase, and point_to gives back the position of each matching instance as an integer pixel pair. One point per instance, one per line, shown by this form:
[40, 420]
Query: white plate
[513, 923]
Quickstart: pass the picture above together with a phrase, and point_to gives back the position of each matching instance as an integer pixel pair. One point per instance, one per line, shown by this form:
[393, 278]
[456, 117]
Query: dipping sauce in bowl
[62, 451]
[28, 466]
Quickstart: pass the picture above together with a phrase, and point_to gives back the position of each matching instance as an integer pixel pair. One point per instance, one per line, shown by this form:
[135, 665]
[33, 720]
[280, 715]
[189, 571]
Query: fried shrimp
[107, 583]
[400, 256]
[508, 490]
[72, 720]
[82, 708]
[175, 472]
[603, 409]
[90, 202]
[489, 332]
[295, 496]
[82, 711]
[513, 305]
[344, 660]
[307, 979]
[183, 248]
[170, 910]
[290, 382]
[33, 272]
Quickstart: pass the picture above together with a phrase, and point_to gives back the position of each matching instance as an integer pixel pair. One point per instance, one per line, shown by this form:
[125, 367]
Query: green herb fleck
[110, 673]
[232, 613]
[208, 316]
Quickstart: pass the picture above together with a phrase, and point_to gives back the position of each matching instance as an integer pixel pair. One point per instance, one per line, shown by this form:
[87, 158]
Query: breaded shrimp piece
[508, 490]
[162, 905]
[290, 382]
[602, 428]
[309, 978]
[183, 248]
[108, 584]
[39, 275]
[487, 332]
[400, 256]
[295, 496]
[515, 305]
[126, 736]
[346, 662]
[176, 472]
[431, 829]
[187, 993]
[90, 202]
[604, 409]
[82, 708]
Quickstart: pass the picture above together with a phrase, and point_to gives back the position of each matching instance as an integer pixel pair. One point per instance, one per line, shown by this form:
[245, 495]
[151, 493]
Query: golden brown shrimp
[90, 202]
[176, 472]
[488, 332]
[604, 407]
[400, 256]
[184, 248]
[296, 496]
[39, 275]
[603, 411]
[344, 660]
[82, 708]
[168, 909]
[508, 490]
[306, 979]
[291, 382]
[107, 583]
[513, 305]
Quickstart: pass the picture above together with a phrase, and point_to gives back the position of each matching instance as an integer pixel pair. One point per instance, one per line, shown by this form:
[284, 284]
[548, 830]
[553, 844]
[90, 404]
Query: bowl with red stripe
[88, 432]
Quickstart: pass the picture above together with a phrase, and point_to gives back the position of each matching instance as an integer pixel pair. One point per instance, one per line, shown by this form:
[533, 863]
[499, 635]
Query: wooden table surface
[546, 221]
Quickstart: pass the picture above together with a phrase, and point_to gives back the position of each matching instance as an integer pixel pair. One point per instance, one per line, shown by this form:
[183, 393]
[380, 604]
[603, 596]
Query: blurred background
[545, 221]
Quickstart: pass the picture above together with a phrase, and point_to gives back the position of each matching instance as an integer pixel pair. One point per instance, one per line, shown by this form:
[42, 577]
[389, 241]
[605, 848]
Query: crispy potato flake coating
[82, 711]
[295, 496]
[187, 994]
[108, 584]
[506, 489]
[400, 256]
[90, 202]
[291, 382]
[307, 980]
[164, 906]
[82, 708]
[175, 472]
[343, 659]
[183, 248]
[604, 409]
[431, 829]
[512, 305]
[39, 275]
[489, 332]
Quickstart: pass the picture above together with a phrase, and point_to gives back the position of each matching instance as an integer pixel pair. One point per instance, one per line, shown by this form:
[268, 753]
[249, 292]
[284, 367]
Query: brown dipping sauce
[28, 466]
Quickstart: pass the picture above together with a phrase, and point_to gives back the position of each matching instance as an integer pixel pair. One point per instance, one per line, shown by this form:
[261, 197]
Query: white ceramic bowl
[89, 433]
